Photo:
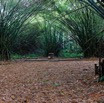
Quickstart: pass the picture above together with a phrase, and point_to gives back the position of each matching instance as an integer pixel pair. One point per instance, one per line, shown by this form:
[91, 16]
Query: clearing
[50, 82]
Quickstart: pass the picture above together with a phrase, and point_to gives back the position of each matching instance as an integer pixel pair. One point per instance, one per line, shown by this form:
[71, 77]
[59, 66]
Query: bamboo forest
[51, 51]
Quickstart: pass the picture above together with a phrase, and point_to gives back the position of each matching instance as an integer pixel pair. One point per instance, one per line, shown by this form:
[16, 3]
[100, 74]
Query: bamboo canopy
[97, 5]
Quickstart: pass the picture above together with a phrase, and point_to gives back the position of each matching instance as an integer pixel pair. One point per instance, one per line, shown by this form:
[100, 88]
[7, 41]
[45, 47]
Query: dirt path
[50, 82]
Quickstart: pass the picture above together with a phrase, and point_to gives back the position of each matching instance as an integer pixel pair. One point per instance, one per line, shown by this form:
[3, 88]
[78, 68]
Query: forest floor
[50, 82]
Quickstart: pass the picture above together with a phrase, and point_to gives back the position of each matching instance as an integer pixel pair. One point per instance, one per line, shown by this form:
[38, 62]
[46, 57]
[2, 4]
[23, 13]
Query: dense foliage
[52, 39]
[45, 26]
[27, 40]
[13, 14]
[97, 5]
[85, 27]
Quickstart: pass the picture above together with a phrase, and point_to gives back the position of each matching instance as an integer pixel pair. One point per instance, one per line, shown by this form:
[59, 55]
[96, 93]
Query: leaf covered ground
[50, 82]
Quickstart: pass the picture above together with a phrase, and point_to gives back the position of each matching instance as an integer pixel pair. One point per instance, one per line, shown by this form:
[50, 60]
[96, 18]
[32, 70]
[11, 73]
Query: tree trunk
[5, 55]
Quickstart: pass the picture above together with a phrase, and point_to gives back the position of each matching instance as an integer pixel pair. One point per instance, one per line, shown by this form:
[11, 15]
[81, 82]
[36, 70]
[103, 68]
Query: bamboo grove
[44, 26]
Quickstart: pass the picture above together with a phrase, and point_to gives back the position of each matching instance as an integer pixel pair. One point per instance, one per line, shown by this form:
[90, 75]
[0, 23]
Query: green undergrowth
[27, 56]
[63, 54]
[66, 54]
